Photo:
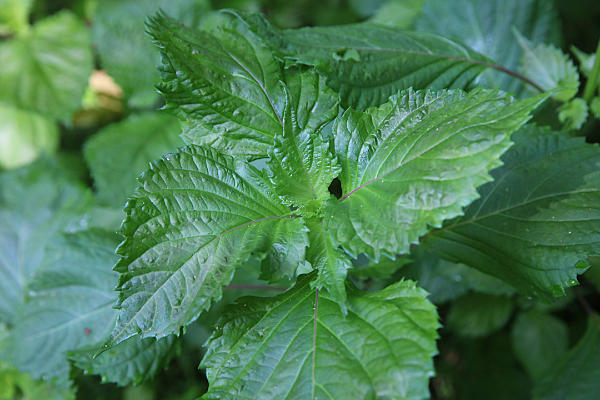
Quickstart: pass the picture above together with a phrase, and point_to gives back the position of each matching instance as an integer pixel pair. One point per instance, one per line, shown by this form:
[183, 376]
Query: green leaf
[69, 305]
[399, 14]
[47, 69]
[17, 385]
[415, 161]
[532, 227]
[446, 280]
[550, 68]
[24, 136]
[478, 314]
[126, 52]
[573, 114]
[196, 216]
[225, 84]
[539, 340]
[36, 202]
[383, 269]
[367, 63]
[586, 61]
[120, 152]
[576, 375]
[330, 261]
[595, 107]
[130, 362]
[302, 166]
[287, 346]
[486, 27]
[14, 17]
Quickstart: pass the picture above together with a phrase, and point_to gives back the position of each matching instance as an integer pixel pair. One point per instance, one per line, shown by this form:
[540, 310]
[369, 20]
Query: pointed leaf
[121, 151]
[196, 216]
[300, 345]
[225, 84]
[576, 375]
[486, 27]
[368, 63]
[47, 69]
[415, 161]
[532, 227]
[70, 304]
[126, 51]
[549, 67]
[130, 362]
[330, 262]
[302, 166]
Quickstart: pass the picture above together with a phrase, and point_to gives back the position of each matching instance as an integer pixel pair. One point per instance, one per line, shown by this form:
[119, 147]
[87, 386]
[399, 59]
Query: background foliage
[80, 119]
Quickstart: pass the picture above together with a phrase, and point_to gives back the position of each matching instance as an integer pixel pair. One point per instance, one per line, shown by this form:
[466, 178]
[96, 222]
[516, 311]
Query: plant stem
[592, 82]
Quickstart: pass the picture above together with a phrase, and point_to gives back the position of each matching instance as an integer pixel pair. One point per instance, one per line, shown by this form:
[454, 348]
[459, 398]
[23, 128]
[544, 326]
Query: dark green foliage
[391, 199]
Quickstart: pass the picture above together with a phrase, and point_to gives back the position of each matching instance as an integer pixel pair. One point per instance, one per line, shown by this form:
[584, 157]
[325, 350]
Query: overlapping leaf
[302, 166]
[477, 314]
[536, 225]
[300, 345]
[130, 362]
[47, 68]
[368, 63]
[539, 340]
[69, 305]
[415, 161]
[576, 375]
[36, 202]
[196, 216]
[120, 152]
[549, 67]
[486, 26]
[225, 84]
[330, 261]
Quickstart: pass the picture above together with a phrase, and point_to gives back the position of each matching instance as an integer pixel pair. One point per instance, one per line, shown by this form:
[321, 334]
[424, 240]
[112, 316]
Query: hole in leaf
[335, 188]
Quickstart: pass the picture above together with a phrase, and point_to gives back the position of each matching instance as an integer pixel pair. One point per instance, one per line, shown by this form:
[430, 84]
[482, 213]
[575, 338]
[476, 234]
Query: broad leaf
[415, 161]
[477, 314]
[368, 63]
[36, 202]
[539, 340]
[120, 152]
[47, 69]
[125, 51]
[302, 166]
[576, 375]
[128, 363]
[486, 26]
[196, 216]
[532, 227]
[549, 67]
[300, 345]
[595, 107]
[330, 261]
[70, 304]
[24, 136]
[225, 84]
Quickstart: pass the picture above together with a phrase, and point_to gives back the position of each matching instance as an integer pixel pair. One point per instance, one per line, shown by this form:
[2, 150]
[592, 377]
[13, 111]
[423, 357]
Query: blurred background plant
[80, 119]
